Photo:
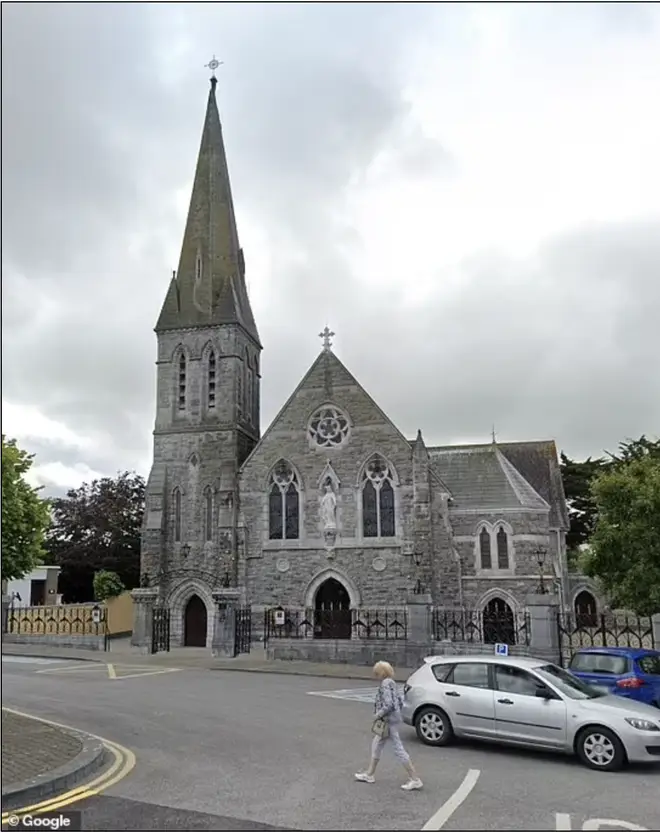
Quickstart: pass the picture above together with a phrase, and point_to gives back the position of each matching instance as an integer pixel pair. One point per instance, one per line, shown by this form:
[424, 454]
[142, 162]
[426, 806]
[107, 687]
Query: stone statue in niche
[328, 507]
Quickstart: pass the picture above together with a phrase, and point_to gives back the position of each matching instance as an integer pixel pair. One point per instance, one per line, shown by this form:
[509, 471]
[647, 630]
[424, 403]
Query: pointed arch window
[378, 504]
[502, 549]
[283, 503]
[177, 515]
[249, 398]
[211, 379]
[485, 552]
[239, 387]
[255, 392]
[182, 382]
[208, 514]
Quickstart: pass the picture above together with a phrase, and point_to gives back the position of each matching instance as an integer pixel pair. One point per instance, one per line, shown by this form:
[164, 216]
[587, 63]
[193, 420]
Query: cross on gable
[326, 335]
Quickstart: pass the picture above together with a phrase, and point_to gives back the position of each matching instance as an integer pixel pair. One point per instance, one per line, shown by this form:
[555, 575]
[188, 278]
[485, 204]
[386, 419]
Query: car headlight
[643, 725]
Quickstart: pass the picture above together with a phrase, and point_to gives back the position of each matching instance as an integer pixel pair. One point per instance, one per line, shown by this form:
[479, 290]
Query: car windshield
[649, 664]
[567, 683]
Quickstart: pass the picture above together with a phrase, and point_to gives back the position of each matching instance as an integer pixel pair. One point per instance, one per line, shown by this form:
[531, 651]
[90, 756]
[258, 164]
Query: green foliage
[97, 527]
[625, 546]
[107, 585]
[578, 478]
[25, 516]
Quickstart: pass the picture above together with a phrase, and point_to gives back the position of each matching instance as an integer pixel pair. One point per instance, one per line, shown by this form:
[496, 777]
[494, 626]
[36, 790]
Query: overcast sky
[468, 195]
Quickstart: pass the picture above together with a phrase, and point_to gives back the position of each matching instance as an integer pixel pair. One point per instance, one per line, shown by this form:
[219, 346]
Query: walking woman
[387, 709]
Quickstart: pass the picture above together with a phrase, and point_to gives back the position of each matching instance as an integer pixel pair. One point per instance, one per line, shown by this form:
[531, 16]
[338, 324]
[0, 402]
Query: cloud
[468, 195]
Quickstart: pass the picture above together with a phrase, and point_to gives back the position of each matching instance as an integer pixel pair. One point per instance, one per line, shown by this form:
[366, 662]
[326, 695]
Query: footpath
[40, 760]
[254, 662]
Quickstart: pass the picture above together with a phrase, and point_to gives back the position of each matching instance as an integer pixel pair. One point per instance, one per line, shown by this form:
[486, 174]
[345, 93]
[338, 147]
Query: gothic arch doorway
[586, 614]
[498, 623]
[195, 623]
[332, 611]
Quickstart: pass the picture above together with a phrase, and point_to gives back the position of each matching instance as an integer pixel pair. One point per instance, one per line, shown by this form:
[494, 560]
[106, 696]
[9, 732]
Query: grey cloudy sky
[468, 194]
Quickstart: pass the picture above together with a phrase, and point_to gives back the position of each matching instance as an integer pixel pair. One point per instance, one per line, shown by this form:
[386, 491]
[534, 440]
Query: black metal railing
[380, 624]
[480, 627]
[57, 620]
[335, 624]
[605, 630]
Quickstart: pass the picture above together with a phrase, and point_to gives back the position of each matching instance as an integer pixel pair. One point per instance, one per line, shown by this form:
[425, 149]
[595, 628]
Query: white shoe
[363, 776]
[413, 784]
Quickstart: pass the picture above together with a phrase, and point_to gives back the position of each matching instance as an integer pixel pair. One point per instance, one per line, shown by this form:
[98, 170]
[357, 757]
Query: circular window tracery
[377, 470]
[328, 427]
[283, 474]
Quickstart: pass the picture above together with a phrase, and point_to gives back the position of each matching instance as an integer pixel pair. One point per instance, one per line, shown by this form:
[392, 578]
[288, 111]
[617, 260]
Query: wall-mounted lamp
[185, 550]
[541, 554]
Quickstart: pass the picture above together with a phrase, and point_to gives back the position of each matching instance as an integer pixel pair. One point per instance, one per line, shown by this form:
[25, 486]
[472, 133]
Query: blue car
[626, 672]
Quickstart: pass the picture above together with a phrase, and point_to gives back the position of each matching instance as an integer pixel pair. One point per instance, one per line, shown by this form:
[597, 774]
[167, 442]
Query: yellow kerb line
[122, 765]
[87, 666]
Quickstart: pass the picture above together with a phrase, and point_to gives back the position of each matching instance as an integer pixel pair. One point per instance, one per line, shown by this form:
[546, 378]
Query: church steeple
[209, 287]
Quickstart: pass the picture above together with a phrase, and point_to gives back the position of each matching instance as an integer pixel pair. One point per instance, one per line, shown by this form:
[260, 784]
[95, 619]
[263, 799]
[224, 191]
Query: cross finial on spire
[213, 64]
[493, 435]
[326, 335]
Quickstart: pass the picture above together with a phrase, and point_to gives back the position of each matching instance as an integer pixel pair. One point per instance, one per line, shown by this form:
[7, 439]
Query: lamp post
[540, 560]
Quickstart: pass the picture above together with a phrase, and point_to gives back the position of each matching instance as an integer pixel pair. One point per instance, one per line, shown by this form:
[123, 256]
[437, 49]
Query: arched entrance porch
[195, 622]
[332, 611]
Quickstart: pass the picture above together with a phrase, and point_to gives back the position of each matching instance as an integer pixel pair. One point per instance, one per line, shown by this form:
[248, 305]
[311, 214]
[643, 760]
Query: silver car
[528, 702]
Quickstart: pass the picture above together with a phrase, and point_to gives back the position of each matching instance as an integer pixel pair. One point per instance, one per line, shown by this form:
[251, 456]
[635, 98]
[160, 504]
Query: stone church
[332, 506]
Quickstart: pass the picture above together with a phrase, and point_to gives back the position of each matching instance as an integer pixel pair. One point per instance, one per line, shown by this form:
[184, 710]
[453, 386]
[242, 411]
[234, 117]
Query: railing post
[655, 631]
[417, 611]
[144, 599]
[544, 633]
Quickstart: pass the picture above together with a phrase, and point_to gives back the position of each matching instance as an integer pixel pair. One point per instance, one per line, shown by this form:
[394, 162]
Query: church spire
[209, 287]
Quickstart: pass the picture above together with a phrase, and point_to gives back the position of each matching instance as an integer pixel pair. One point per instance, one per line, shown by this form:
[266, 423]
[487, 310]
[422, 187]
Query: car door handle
[453, 694]
[506, 702]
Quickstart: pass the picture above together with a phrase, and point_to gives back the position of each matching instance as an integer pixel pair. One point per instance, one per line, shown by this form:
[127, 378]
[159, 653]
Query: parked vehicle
[628, 672]
[528, 702]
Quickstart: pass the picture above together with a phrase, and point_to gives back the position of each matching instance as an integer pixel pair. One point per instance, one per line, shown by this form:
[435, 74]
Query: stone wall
[280, 572]
[90, 643]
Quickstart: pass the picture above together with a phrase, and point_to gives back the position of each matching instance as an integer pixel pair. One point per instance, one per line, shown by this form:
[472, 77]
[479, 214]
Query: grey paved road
[215, 747]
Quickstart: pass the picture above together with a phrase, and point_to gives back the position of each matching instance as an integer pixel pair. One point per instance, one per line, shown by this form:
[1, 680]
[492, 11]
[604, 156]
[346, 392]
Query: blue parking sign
[501, 650]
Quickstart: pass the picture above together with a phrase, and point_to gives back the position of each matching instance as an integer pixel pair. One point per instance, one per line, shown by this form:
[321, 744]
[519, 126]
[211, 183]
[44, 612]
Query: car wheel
[599, 748]
[433, 727]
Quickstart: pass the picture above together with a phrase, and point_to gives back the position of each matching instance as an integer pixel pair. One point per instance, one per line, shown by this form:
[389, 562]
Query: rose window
[328, 427]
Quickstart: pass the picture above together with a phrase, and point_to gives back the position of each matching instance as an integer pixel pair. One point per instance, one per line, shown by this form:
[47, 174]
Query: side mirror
[545, 693]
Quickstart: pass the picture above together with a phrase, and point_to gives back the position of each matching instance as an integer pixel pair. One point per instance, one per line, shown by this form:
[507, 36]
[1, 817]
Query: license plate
[603, 689]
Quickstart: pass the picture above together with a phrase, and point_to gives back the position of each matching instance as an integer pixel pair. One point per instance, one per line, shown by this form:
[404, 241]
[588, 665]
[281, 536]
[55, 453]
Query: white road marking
[358, 695]
[617, 824]
[563, 822]
[439, 819]
[31, 660]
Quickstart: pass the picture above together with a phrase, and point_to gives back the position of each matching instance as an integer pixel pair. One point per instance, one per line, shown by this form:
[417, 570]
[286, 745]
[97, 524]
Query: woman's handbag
[380, 728]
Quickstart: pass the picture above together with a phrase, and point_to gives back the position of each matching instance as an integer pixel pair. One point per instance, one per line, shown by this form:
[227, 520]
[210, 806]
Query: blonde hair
[383, 669]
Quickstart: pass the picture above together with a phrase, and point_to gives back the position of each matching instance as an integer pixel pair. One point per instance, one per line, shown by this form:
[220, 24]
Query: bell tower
[208, 371]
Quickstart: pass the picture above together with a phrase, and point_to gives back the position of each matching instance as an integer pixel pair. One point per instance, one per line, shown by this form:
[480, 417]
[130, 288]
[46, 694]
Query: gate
[243, 631]
[607, 630]
[160, 630]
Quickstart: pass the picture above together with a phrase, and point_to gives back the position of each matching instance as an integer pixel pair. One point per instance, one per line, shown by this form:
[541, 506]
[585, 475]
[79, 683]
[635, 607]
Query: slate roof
[503, 476]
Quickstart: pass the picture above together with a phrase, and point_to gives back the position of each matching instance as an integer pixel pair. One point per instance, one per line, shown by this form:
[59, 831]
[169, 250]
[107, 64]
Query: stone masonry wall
[530, 531]
[280, 572]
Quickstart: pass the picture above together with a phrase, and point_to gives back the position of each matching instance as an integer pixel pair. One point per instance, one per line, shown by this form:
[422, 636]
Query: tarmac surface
[228, 750]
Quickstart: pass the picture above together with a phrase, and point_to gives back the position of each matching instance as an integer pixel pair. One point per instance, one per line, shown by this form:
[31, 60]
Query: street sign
[501, 650]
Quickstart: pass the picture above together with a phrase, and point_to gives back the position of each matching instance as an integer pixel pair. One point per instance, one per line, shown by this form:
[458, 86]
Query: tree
[25, 516]
[625, 547]
[577, 478]
[107, 585]
[97, 527]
